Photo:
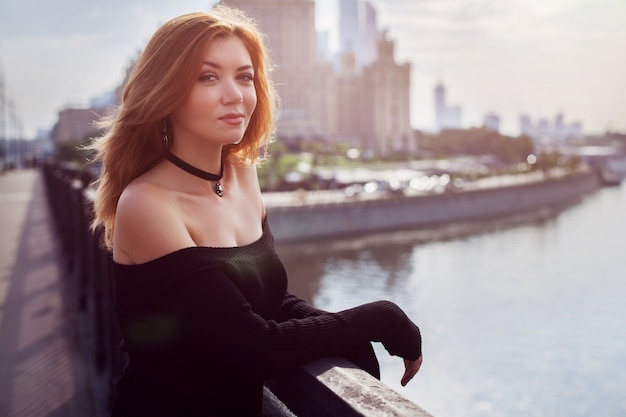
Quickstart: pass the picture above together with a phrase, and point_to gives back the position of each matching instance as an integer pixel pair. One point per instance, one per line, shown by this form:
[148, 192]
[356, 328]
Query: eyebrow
[218, 66]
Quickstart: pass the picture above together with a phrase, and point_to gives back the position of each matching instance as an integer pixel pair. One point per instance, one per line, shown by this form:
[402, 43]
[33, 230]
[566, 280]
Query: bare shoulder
[148, 224]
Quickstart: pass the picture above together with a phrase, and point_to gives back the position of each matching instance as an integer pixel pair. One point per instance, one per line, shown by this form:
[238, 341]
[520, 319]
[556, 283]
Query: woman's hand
[410, 369]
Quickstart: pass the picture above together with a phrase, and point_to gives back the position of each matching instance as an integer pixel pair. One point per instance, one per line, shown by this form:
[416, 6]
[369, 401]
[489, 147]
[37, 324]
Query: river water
[521, 318]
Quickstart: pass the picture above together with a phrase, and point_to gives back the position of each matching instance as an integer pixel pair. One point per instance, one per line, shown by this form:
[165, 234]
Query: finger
[406, 378]
[411, 368]
[408, 373]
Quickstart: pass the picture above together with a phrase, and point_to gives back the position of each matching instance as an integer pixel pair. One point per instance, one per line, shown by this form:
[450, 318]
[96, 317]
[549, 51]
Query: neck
[200, 173]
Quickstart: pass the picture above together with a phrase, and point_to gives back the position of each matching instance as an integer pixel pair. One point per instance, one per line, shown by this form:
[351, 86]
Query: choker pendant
[219, 189]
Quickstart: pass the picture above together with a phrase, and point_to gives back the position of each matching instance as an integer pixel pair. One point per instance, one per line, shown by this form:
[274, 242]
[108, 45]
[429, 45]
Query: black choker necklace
[219, 190]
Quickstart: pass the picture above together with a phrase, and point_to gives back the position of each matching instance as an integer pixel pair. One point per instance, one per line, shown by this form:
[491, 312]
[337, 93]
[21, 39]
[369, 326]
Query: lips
[233, 118]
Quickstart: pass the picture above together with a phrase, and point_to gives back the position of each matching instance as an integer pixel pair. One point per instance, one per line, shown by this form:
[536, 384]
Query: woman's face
[222, 99]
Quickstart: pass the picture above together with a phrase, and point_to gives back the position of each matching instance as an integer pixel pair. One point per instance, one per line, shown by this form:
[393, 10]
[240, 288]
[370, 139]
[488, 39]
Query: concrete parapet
[335, 387]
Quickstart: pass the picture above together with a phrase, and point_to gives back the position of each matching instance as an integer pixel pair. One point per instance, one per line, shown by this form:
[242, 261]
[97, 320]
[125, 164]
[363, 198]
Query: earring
[165, 138]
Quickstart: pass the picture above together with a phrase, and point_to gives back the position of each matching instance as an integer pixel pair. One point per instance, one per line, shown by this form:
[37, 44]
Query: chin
[236, 141]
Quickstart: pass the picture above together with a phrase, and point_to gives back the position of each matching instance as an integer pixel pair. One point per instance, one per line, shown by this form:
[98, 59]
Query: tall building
[492, 122]
[446, 116]
[365, 102]
[349, 99]
[386, 109]
[550, 133]
[302, 82]
[358, 31]
[371, 35]
[526, 125]
[440, 105]
[349, 27]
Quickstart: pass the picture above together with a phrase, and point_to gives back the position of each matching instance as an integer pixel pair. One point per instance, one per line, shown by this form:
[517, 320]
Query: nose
[232, 93]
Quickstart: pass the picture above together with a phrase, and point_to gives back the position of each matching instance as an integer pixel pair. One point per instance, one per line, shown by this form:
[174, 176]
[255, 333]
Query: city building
[358, 31]
[349, 92]
[75, 125]
[492, 122]
[364, 102]
[302, 81]
[446, 116]
[349, 28]
[386, 108]
[371, 34]
[545, 132]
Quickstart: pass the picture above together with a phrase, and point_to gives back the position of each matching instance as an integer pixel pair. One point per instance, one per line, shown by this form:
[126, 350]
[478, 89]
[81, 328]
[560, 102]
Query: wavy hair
[161, 79]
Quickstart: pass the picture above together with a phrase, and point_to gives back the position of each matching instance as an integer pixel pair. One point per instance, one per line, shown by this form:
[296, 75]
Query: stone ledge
[336, 387]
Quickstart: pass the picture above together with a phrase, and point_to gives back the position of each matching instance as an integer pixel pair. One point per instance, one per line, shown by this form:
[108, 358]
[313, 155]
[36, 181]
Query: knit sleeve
[295, 307]
[362, 355]
[217, 320]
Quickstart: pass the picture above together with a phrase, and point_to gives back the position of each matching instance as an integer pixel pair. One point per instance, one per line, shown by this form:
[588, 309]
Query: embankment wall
[322, 221]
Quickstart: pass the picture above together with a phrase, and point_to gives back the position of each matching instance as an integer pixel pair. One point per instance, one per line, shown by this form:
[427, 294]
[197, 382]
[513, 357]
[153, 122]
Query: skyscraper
[492, 122]
[349, 27]
[546, 133]
[446, 116]
[371, 35]
[302, 82]
[365, 103]
[358, 31]
[386, 108]
[440, 105]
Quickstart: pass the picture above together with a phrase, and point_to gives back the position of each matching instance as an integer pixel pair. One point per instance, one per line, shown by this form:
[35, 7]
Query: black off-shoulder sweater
[204, 327]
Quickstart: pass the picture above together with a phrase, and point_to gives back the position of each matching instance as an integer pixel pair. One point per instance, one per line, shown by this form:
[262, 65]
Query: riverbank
[297, 217]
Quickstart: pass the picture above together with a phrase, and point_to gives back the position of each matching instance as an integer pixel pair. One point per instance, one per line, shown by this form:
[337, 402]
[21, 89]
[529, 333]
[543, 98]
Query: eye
[208, 77]
[246, 77]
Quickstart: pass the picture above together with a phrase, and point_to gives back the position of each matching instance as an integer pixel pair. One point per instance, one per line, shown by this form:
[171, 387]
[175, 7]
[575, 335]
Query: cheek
[198, 107]
[200, 102]
[188, 105]
[252, 100]
[191, 111]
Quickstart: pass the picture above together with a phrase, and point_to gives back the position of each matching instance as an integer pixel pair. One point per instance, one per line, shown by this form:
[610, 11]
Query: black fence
[88, 271]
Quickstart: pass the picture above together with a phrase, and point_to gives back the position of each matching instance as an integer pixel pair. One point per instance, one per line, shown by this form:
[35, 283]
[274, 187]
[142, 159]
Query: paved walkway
[42, 370]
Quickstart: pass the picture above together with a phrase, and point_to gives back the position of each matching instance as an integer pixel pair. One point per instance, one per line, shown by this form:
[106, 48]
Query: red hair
[162, 78]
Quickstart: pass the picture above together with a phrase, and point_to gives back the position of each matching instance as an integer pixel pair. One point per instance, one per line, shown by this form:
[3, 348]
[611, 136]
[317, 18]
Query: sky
[510, 57]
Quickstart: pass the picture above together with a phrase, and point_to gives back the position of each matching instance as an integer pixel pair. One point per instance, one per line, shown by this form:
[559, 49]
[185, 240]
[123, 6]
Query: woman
[200, 292]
